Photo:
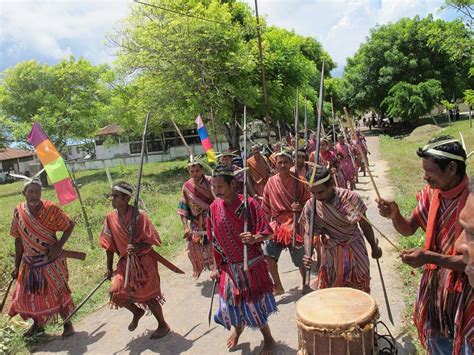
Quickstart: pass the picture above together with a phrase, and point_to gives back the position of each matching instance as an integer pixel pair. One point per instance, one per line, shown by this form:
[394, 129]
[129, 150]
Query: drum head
[336, 308]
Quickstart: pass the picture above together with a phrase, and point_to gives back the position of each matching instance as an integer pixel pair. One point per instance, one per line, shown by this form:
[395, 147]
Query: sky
[49, 30]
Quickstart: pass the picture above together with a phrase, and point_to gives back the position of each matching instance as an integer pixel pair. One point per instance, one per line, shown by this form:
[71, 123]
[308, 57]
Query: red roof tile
[110, 129]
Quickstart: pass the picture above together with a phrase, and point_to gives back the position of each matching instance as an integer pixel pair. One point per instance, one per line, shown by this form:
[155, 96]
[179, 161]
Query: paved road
[105, 332]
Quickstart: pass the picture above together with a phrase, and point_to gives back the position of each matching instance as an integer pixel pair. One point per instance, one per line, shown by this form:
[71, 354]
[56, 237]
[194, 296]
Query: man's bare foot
[268, 347]
[35, 329]
[68, 330]
[306, 289]
[136, 318]
[161, 331]
[278, 291]
[234, 338]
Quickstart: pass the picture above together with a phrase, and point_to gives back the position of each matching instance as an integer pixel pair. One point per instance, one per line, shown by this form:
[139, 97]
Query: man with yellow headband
[444, 308]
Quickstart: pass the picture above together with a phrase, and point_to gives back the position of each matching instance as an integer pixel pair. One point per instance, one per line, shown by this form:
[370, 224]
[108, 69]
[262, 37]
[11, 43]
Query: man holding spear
[143, 288]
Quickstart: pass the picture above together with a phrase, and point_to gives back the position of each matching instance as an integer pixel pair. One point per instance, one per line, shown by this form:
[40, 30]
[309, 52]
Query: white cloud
[55, 29]
[341, 25]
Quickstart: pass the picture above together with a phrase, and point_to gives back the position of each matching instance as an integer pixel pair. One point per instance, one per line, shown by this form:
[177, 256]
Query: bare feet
[234, 338]
[35, 329]
[136, 318]
[161, 331]
[268, 347]
[68, 330]
[306, 289]
[278, 291]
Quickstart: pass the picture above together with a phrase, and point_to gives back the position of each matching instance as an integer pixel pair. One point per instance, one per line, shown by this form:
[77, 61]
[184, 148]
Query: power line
[180, 13]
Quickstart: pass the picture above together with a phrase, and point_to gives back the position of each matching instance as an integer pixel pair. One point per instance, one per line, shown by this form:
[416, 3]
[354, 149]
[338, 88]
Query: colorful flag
[54, 165]
[205, 140]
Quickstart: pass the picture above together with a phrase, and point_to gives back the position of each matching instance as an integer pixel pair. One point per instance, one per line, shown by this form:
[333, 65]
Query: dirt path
[186, 309]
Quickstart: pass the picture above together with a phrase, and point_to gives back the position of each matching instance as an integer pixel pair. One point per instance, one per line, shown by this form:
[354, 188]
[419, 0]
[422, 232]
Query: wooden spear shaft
[137, 198]
[295, 214]
[262, 73]
[246, 215]
[364, 157]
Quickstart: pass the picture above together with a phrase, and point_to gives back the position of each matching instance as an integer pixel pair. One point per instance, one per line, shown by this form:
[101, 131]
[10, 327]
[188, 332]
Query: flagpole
[86, 219]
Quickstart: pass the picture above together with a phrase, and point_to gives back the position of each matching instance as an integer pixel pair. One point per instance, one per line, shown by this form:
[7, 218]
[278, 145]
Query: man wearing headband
[279, 205]
[42, 291]
[192, 208]
[245, 297]
[444, 309]
[344, 150]
[344, 261]
[259, 171]
[143, 290]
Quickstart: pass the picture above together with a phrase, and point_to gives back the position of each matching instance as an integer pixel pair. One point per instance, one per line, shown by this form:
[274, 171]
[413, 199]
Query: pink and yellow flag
[54, 165]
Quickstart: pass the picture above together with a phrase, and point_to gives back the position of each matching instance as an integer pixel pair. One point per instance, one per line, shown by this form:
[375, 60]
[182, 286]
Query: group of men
[219, 224]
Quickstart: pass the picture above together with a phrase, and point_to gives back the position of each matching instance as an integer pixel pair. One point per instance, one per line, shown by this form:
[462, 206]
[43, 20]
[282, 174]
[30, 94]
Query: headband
[322, 181]
[32, 181]
[194, 160]
[29, 180]
[122, 190]
[430, 148]
[284, 153]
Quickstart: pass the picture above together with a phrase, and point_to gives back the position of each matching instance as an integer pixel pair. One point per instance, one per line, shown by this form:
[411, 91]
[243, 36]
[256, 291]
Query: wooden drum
[337, 320]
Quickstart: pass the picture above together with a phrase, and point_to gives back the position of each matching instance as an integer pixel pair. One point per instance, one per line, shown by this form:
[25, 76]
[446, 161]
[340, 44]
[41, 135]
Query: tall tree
[64, 98]
[412, 51]
[464, 7]
[205, 54]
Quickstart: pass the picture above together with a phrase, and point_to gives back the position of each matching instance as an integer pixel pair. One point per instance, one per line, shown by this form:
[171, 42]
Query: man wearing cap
[192, 208]
[259, 171]
[42, 291]
[443, 311]
[280, 204]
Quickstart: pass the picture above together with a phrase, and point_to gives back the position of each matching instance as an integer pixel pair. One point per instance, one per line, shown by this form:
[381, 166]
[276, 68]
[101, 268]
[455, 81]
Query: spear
[6, 295]
[246, 227]
[295, 214]
[305, 123]
[333, 122]
[137, 198]
[309, 237]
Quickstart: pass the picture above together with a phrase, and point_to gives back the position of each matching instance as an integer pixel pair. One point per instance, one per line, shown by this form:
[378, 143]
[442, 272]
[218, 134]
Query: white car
[3, 176]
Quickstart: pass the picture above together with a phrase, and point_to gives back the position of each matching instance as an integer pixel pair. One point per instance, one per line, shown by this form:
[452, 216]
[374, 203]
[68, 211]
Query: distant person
[444, 308]
[259, 172]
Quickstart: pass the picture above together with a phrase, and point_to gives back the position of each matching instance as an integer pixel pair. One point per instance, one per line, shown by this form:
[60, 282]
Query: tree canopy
[66, 98]
[184, 65]
[407, 56]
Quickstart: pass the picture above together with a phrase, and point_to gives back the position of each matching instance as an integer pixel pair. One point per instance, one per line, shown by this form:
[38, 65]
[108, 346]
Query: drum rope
[391, 345]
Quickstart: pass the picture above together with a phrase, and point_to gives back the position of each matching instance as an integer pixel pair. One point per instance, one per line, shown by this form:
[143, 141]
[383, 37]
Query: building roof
[14, 153]
[109, 130]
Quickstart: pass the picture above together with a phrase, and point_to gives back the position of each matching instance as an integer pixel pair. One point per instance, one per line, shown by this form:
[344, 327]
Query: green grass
[161, 190]
[406, 175]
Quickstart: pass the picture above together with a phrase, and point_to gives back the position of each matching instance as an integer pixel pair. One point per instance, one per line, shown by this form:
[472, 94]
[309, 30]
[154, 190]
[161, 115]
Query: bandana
[431, 149]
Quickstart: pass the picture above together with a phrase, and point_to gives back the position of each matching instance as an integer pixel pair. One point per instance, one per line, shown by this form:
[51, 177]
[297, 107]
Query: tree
[464, 7]
[65, 98]
[409, 101]
[412, 51]
[185, 65]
